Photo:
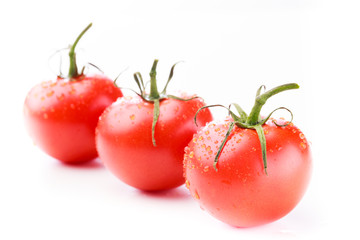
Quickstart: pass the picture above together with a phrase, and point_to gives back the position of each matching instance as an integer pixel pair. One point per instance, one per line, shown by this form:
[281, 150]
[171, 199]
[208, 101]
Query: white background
[229, 49]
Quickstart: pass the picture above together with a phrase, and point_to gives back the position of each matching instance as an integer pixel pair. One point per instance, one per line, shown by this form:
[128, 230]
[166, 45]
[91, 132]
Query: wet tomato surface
[61, 116]
[124, 140]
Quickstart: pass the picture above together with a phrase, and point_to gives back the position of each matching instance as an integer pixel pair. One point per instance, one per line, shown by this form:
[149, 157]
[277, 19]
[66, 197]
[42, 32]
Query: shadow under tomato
[94, 164]
[175, 193]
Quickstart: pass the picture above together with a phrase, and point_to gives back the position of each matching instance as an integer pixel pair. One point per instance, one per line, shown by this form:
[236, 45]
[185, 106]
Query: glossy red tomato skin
[124, 140]
[61, 116]
[240, 193]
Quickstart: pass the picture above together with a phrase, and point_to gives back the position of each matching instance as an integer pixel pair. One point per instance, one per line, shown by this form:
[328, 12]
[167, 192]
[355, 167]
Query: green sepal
[231, 126]
[170, 77]
[260, 132]
[155, 119]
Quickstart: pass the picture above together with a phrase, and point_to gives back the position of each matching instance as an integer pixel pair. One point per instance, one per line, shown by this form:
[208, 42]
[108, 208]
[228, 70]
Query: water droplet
[303, 145]
[187, 149]
[206, 168]
[196, 195]
[49, 94]
[42, 98]
[217, 129]
[191, 154]
[239, 140]
[254, 149]
[201, 138]
[208, 148]
[132, 117]
[301, 135]
[207, 132]
[194, 140]
[128, 97]
[187, 184]
[294, 131]
[72, 91]
[44, 85]
[60, 97]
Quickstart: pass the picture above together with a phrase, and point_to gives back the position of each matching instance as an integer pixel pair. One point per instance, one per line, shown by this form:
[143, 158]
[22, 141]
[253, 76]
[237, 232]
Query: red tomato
[62, 115]
[126, 147]
[238, 191]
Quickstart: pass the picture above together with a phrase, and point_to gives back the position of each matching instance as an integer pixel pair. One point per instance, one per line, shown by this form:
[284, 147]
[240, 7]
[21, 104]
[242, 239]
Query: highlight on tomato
[246, 170]
[141, 138]
[61, 115]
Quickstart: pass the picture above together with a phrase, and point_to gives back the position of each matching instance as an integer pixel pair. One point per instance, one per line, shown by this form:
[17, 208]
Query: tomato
[227, 174]
[62, 115]
[145, 150]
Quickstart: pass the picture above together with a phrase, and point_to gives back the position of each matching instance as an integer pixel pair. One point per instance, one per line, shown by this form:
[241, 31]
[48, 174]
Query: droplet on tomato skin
[42, 98]
[60, 97]
[187, 184]
[194, 140]
[186, 149]
[44, 85]
[301, 135]
[206, 168]
[128, 97]
[303, 145]
[207, 132]
[72, 91]
[132, 117]
[201, 138]
[191, 154]
[49, 94]
[196, 195]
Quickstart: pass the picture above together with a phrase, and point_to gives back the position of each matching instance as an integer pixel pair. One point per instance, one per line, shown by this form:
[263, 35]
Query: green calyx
[155, 96]
[253, 120]
[73, 70]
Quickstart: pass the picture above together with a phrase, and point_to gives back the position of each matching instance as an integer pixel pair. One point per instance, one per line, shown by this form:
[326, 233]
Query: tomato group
[144, 157]
[62, 115]
[240, 188]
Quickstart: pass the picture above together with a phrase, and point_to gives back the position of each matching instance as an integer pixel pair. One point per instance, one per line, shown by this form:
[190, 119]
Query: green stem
[154, 93]
[73, 70]
[260, 100]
